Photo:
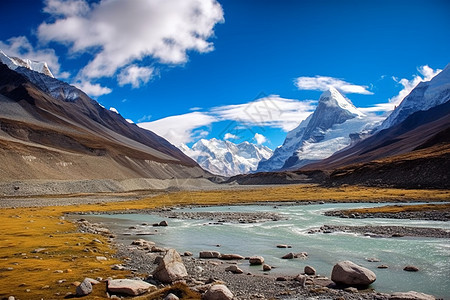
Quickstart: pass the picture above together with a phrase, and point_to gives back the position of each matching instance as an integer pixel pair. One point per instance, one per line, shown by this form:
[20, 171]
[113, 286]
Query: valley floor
[42, 254]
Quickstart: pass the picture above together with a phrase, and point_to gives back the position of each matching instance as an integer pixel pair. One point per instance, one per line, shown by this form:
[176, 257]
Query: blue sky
[193, 69]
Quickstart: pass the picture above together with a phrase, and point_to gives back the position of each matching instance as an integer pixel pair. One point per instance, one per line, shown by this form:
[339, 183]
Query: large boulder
[218, 292]
[349, 273]
[411, 296]
[129, 286]
[171, 268]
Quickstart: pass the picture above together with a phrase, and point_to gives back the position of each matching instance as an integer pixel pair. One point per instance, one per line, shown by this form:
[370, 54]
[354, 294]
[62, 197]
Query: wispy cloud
[322, 83]
[260, 139]
[134, 75]
[425, 74]
[272, 111]
[230, 136]
[181, 129]
[122, 33]
[92, 89]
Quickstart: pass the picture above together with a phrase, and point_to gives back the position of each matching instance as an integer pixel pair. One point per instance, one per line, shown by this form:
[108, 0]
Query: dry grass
[401, 208]
[25, 229]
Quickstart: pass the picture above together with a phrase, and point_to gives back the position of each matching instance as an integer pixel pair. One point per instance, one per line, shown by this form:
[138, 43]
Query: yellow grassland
[36, 275]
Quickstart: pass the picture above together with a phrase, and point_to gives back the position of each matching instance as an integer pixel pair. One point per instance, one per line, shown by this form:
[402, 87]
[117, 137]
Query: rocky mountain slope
[226, 158]
[50, 130]
[334, 125]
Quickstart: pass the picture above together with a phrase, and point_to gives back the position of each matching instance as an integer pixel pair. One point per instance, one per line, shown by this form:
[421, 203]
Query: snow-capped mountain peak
[39, 74]
[324, 132]
[14, 62]
[332, 97]
[423, 97]
[227, 158]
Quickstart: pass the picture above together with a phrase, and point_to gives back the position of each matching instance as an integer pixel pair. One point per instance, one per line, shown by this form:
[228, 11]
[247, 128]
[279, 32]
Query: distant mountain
[334, 125]
[51, 130]
[226, 158]
[423, 97]
[14, 62]
[414, 152]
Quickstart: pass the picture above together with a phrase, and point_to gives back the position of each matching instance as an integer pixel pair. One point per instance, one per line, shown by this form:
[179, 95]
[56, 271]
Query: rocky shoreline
[385, 231]
[142, 258]
[412, 215]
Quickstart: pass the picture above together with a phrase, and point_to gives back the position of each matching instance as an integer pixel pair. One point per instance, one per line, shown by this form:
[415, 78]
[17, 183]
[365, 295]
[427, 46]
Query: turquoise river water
[430, 255]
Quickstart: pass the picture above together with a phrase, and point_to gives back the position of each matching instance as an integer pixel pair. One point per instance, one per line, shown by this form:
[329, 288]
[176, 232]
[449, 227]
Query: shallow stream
[430, 255]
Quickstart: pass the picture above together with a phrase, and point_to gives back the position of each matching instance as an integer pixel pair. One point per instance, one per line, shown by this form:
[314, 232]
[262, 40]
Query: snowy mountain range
[335, 124]
[423, 97]
[226, 158]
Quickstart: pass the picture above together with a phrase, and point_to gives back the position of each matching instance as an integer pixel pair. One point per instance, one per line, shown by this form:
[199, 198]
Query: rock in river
[256, 260]
[349, 273]
[309, 270]
[411, 268]
[209, 254]
[171, 268]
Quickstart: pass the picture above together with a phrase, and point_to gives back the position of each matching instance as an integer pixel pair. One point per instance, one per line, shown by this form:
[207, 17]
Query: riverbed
[430, 255]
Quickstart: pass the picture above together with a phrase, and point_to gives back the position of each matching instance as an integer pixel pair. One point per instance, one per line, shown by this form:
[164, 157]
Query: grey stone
[171, 268]
[209, 254]
[218, 292]
[349, 273]
[411, 268]
[85, 288]
[234, 269]
[256, 260]
[231, 257]
[308, 270]
[171, 297]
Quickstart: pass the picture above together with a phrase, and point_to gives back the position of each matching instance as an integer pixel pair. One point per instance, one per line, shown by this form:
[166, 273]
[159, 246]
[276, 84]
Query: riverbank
[42, 255]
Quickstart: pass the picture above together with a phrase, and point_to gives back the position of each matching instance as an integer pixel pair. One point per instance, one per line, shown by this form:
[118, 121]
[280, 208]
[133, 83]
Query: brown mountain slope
[46, 138]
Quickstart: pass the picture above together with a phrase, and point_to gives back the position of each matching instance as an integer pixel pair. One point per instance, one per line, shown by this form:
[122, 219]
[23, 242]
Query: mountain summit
[323, 133]
[227, 158]
[14, 62]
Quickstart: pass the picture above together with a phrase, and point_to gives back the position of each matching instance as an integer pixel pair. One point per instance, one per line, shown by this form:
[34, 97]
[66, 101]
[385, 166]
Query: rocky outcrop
[171, 268]
[349, 273]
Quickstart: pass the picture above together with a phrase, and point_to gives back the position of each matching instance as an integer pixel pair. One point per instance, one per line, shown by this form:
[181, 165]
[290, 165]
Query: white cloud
[180, 129]
[425, 74]
[322, 83]
[260, 139]
[272, 111]
[134, 75]
[21, 47]
[122, 32]
[92, 89]
[230, 136]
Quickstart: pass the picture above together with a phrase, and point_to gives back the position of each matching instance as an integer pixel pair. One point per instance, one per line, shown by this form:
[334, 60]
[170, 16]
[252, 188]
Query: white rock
[85, 288]
[129, 286]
